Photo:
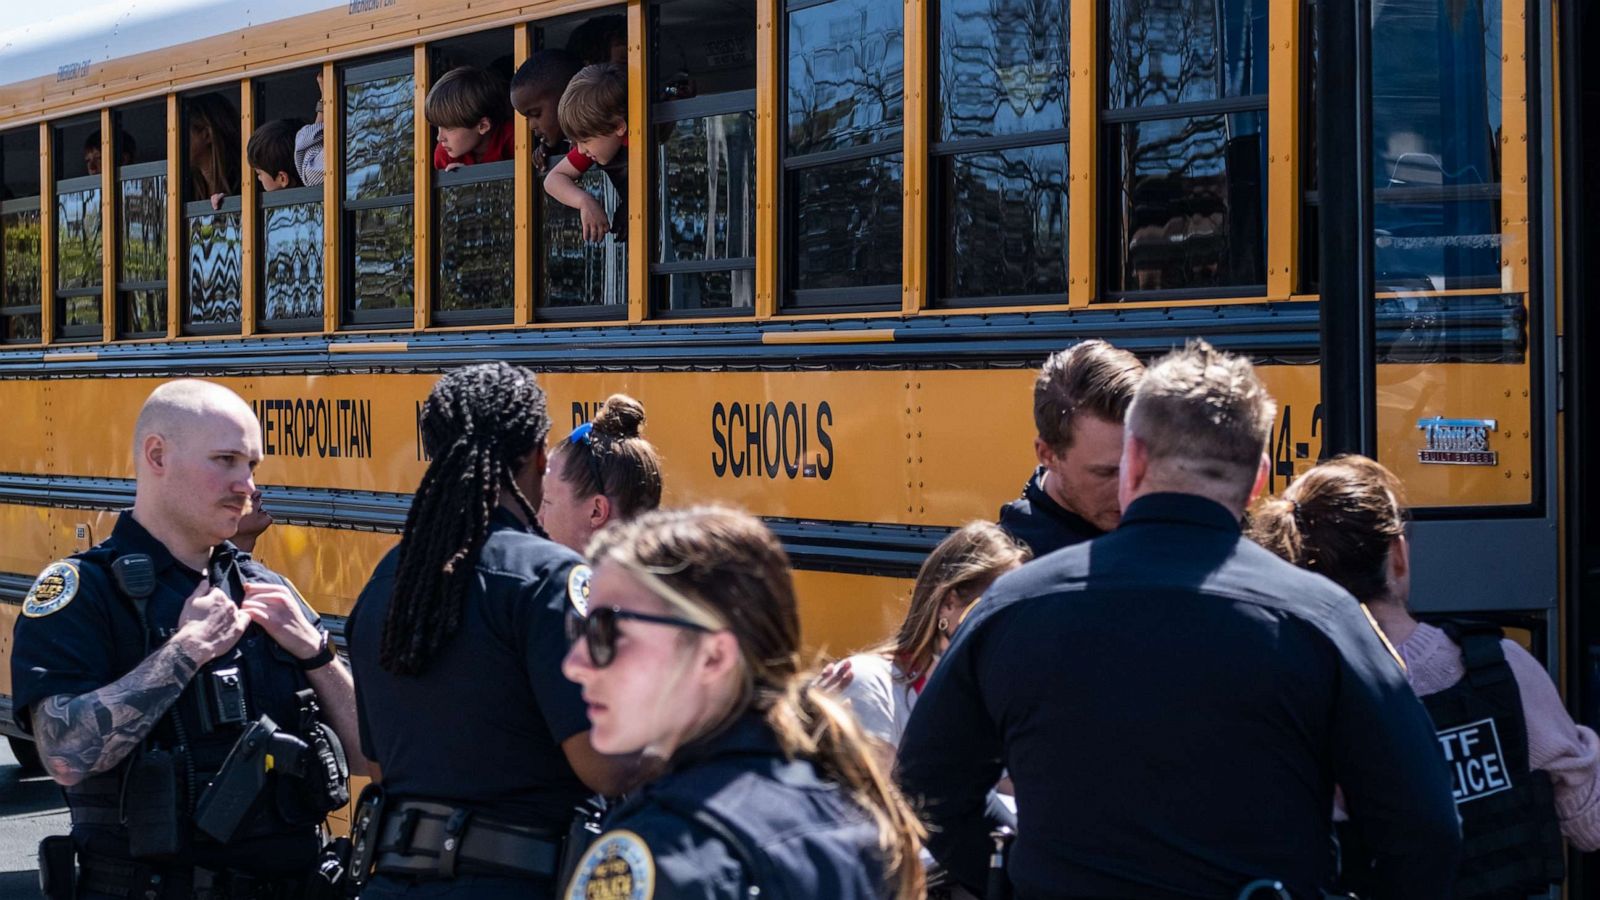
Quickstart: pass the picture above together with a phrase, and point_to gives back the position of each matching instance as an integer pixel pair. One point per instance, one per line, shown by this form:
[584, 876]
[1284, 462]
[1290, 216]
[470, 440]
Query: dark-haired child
[271, 154]
[470, 109]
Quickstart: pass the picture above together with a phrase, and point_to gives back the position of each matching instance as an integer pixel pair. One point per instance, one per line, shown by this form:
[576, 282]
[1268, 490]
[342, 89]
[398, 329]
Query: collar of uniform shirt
[1174, 507]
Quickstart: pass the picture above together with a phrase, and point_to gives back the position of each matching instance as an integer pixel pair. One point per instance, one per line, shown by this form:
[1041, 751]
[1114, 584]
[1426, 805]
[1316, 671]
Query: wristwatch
[323, 657]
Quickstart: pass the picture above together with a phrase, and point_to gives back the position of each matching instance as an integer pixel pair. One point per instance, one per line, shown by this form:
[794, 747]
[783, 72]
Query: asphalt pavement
[31, 808]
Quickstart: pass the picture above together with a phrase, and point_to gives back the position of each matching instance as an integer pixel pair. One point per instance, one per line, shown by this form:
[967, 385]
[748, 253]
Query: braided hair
[479, 426]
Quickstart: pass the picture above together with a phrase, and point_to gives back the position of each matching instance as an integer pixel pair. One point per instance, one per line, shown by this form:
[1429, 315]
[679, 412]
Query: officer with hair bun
[603, 472]
[482, 746]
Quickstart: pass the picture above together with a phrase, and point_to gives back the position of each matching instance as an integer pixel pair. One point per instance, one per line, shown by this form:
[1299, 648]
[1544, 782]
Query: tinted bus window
[1184, 147]
[379, 254]
[78, 243]
[21, 293]
[843, 153]
[290, 218]
[140, 147]
[212, 153]
[1000, 150]
[703, 115]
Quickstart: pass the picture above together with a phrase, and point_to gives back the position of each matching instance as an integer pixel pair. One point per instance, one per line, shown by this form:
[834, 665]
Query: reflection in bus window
[1186, 180]
[476, 241]
[142, 251]
[20, 290]
[703, 107]
[1000, 154]
[578, 273]
[292, 290]
[214, 275]
[845, 98]
[78, 248]
[378, 233]
[1436, 126]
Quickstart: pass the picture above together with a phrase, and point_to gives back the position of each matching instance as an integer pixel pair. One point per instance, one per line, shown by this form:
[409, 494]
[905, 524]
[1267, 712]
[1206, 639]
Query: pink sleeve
[1568, 751]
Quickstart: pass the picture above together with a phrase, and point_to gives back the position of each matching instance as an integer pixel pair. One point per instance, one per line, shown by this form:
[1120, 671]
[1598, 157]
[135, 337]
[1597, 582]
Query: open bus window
[1184, 147]
[1000, 150]
[291, 215]
[578, 279]
[378, 234]
[474, 205]
[78, 234]
[21, 293]
[843, 153]
[140, 145]
[212, 163]
[702, 114]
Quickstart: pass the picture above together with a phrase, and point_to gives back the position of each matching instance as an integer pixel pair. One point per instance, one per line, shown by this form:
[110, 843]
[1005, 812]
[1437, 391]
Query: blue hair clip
[581, 433]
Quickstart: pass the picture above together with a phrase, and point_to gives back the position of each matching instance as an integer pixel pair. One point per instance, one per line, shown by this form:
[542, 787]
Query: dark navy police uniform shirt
[1175, 705]
[1040, 522]
[95, 637]
[482, 725]
[731, 814]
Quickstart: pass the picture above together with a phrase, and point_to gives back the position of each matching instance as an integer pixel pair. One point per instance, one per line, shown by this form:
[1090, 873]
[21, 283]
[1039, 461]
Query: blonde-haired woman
[882, 684]
[690, 654]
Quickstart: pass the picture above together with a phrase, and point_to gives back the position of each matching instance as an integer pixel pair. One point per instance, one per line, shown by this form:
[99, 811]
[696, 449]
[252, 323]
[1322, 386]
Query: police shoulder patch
[578, 588]
[617, 866]
[52, 590]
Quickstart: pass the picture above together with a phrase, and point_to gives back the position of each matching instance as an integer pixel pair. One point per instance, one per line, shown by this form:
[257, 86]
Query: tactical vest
[1511, 837]
[795, 837]
[193, 740]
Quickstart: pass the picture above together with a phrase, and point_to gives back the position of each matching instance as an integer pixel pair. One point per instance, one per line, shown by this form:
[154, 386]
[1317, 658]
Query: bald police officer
[1175, 704]
[141, 663]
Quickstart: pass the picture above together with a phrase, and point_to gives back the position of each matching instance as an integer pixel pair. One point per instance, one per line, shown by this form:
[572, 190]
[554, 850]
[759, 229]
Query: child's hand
[321, 93]
[595, 223]
[541, 158]
[216, 200]
[454, 166]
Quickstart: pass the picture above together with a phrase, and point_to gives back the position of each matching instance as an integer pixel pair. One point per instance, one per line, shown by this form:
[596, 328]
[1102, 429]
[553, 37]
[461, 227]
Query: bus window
[290, 218]
[140, 144]
[1000, 151]
[1184, 148]
[1436, 117]
[843, 153]
[474, 205]
[20, 270]
[79, 277]
[379, 253]
[703, 122]
[579, 279]
[212, 155]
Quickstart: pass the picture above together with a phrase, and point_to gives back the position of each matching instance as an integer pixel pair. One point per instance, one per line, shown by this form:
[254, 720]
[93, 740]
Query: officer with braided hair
[482, 746]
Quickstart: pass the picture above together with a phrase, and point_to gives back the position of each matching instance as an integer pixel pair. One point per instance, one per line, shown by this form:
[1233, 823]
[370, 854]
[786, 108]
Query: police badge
[617, 867]
[52, 590]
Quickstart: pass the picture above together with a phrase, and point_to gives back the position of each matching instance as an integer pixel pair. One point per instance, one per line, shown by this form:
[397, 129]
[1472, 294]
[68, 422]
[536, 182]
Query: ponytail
[811, 725]
[1273, 526]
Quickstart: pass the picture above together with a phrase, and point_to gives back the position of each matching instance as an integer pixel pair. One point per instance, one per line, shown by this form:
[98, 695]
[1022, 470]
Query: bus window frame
[504, 170]
[232, 203]
[792, 301]
[350, 318]
[135, 172]
[62, 332]
[671, 112]
[16, 205]
[266, 200]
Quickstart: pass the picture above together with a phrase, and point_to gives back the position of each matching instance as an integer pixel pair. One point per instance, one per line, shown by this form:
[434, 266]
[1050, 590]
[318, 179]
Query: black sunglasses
[599, 630]
[582, 437]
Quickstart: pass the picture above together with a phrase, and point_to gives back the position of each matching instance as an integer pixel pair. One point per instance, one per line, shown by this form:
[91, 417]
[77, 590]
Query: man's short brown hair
[1206, 410]
[1092, 377]
[595, 102]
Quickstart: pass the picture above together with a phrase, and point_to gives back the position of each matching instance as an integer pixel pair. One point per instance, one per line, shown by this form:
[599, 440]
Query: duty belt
[420, 839]
[143, 881]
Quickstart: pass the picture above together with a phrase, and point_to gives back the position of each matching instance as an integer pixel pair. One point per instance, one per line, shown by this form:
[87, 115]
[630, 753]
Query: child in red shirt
[472, 112]
[593, 115]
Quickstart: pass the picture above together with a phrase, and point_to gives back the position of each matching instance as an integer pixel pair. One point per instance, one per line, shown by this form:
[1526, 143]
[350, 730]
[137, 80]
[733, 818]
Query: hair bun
[620, 417]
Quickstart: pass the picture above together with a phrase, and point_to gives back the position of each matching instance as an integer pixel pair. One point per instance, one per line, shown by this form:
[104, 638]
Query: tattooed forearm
[90, 734]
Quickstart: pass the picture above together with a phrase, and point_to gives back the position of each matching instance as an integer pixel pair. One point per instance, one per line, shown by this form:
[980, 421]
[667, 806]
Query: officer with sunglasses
[482, 745]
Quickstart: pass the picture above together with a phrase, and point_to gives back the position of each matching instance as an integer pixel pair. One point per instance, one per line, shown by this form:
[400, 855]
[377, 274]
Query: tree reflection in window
[214, 269]
[20, 288]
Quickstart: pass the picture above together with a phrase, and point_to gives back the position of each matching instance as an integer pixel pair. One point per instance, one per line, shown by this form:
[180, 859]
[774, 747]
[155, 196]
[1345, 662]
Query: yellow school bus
[855, 228]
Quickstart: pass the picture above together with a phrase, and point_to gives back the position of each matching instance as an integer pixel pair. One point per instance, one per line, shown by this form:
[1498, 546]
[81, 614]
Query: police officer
[690, 654]
[1175, 704]
[140, 664]
[1079, 400]
[457, 641]
[1524, 772]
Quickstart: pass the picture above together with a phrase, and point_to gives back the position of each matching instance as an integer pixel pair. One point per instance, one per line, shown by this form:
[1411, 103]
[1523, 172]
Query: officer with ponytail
[690, 656]
[603, 472]
[481, 746]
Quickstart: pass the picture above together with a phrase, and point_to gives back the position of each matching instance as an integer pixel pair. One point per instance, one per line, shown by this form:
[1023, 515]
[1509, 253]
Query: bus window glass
[214, 256]
[78, 247]
[848, 224]
[291, 236]
[843, 160]
[1436, 128]
[704, 77]
[142, 254]
[1185, 180]
[379, 253]
[1000, 154]
[476, 241]
[21, 297]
